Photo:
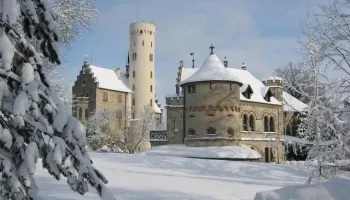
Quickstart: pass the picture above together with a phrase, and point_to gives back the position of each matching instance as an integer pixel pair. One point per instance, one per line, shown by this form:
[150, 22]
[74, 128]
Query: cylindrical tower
[142, 62]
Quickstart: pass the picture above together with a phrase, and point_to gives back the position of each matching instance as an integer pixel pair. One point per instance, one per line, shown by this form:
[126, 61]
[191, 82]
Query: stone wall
[212, 111]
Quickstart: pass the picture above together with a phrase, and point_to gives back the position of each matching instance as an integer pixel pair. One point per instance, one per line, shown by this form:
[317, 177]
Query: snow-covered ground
[227, 152]
[337, 189]
[147, 177]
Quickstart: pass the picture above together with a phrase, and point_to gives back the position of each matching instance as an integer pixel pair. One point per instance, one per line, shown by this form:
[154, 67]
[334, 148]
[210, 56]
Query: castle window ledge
[211, 138]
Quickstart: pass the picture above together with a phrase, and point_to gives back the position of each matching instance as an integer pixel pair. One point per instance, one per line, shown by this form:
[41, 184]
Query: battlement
[174, 101]
[142, 28]
[273, 81]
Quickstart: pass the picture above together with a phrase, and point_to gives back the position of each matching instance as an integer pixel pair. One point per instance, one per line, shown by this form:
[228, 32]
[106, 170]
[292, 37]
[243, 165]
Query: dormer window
[266, 93]
[268, 96]
[247, 91]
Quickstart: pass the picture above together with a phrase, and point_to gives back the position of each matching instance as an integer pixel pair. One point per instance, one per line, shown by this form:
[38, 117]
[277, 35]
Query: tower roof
[212, 70]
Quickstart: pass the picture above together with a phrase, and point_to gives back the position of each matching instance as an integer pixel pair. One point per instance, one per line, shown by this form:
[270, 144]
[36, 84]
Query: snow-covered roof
[108, 79]
[156, 108]
[290, 103]
[272, 78]
[212, 70]
[246, 78]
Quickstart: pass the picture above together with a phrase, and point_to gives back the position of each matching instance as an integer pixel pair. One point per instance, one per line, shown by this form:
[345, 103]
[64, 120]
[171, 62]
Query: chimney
[244, 67]
[225, 62]
[117, 72]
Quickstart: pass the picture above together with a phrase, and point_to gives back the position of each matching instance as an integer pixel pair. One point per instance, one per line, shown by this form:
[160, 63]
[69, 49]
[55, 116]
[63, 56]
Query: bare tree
[292, 74]
[331, 27]
[136, 131]
[116, 129]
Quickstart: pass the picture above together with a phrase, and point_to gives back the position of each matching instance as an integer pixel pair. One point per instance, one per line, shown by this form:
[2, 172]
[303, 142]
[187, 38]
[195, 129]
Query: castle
[98, 87]
[216, 105]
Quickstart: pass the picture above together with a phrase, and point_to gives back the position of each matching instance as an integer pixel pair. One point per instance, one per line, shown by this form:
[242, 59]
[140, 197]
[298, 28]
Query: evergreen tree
[33, 121]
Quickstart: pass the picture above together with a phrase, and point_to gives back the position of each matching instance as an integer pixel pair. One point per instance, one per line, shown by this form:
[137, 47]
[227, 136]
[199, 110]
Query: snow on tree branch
[33, 122]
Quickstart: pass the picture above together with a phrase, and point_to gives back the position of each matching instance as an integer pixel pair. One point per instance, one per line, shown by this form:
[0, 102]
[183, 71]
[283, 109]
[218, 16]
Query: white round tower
[141, 67]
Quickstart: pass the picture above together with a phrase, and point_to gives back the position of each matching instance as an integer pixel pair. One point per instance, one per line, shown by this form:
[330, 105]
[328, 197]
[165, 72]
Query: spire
[211, 49]
[244, 66]
[192, 54]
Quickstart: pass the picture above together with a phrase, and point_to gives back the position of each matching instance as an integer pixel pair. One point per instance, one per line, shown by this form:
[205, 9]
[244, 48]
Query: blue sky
[263, 34]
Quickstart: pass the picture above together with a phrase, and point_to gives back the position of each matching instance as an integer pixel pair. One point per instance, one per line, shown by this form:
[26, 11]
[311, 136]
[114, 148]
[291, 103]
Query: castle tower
[141, 66]
[276, 86]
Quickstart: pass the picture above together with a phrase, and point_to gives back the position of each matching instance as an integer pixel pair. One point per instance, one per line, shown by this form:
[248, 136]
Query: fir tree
[33, 121]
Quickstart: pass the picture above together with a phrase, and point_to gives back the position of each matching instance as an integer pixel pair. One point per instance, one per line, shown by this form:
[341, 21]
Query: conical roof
[212, 70]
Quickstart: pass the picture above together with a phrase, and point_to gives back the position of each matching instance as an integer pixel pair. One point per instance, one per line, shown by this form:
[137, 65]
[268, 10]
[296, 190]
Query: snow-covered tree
[33, 122]
[136, 131]
[321, 124]
[115, 129]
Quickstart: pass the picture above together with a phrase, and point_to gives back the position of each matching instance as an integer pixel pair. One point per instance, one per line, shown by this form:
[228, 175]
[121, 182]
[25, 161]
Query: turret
[141, 65]
[276, 86]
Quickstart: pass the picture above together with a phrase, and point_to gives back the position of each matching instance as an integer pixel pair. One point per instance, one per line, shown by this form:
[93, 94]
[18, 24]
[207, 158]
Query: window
[143, 43]
[211, 131]
[245, 122]
[133, 102]
[230, 131]
[151, 88]
[193, 88]
[230, 86]
[133, 88]
[177, 124]
[151, 74]
[251, 123]
[247, 94]
[191, 131]
[80, 113]
[150, 102]
[83, 83]
[151, 42]
[133, 74]
[288, 130]
[119, 114]
[86, 114]
[189, 89]
[105, 96]
[120, 98]
[134, 56]
[272, 124]
[266, 124]
[151, 57]
[141, 32]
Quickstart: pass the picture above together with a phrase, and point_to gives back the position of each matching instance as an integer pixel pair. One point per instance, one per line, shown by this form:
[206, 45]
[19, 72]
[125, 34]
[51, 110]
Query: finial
[211, 49]
[192, 54]
[86, 61]
[244, 67]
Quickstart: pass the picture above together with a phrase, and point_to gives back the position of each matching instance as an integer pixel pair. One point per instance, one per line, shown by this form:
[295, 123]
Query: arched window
[251, 123]
[288, 130]
[272, 124]
[151, 74]
[266, 124]
[86, 114]
[151, 88]
[133, 88]
[151, 42]
[141, 31]
[143, 43]
[150, 102]
[191, 131]
[245, 122]
[80, 113]
[211, 131]
[230, 131]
